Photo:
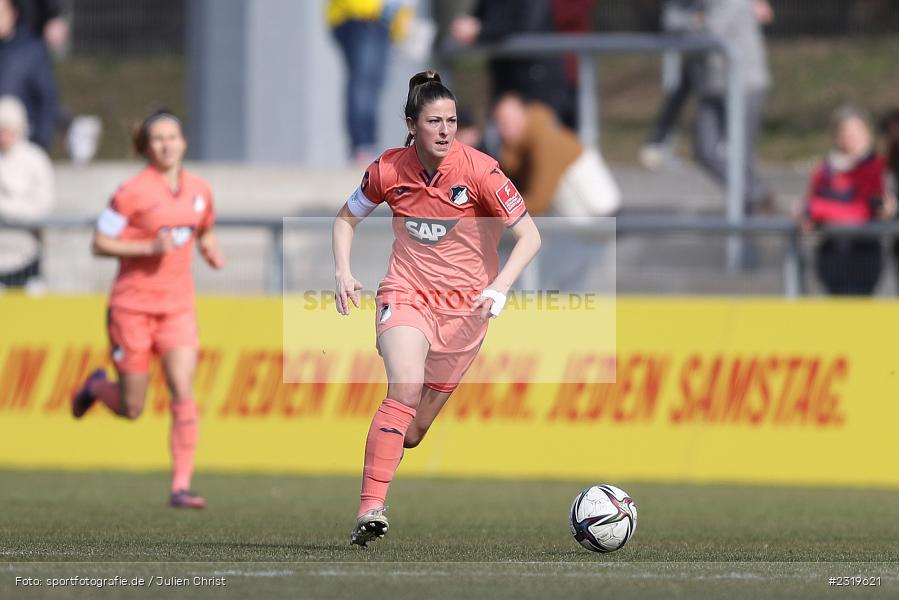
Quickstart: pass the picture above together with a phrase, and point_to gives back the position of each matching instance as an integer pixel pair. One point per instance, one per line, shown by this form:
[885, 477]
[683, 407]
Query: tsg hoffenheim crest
[459, 195]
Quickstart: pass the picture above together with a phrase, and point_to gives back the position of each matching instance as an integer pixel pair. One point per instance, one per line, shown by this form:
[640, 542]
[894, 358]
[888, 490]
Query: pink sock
[383, 451]
[107, 392]
[183, 442]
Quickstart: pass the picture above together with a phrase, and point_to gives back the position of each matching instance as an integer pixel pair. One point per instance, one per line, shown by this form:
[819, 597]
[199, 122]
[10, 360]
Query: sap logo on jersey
[428, 231]
[180, 235]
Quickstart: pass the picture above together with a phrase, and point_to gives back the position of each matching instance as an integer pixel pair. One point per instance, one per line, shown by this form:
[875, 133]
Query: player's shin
[109, 393]
[185, 426]
[383, 451]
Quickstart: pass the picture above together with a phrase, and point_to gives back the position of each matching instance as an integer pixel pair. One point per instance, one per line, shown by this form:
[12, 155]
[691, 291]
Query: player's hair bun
[424, 88]
[422, 78]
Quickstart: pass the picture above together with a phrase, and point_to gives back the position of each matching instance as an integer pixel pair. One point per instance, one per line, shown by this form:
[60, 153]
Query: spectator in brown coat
[553, 170]
[558, 177]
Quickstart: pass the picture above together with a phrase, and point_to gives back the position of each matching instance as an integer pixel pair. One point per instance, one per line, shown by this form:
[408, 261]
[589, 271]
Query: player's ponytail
[424, 88]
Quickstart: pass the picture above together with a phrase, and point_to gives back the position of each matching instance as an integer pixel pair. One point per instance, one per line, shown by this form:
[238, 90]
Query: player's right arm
[112, 223]
[342, 242]
[105, 245]
[359, 205]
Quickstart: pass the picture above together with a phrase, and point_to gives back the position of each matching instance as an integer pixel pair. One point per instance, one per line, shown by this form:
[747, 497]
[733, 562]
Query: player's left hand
[486, 307]
[481, 307]
[214, 257]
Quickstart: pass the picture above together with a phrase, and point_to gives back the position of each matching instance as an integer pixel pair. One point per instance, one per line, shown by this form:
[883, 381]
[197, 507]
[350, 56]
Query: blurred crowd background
[284, 101]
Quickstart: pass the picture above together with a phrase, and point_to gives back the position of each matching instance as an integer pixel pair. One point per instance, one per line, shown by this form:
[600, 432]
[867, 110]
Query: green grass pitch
[278, 536]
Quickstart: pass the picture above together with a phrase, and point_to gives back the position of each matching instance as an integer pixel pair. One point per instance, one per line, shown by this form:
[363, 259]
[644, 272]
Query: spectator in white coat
[26, 194]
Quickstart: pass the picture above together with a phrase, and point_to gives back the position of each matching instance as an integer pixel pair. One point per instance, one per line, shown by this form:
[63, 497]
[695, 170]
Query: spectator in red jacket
[847, 188]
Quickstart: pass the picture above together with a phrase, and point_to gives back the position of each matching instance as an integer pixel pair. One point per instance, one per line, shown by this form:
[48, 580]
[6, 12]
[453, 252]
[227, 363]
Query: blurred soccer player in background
[150, 226]
[443, 282]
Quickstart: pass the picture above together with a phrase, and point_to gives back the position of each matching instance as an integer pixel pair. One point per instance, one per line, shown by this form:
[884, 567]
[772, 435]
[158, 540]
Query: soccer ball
[603, 518]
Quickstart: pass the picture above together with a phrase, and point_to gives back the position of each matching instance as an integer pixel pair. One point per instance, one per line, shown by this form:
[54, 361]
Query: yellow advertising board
[736, 390]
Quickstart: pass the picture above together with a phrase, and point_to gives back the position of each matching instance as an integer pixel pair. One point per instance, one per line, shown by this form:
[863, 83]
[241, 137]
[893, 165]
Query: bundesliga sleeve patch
[509, 197]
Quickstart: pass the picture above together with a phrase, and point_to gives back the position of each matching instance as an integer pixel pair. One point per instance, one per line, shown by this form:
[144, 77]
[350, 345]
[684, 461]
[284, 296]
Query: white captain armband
[499, 301]
[359, 205]
[111, 223]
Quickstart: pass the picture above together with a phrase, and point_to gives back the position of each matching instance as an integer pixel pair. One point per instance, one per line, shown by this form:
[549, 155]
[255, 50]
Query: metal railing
[588, 47]
[624, 225]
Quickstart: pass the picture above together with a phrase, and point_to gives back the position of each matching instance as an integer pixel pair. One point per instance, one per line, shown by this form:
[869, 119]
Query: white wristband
[499, 301]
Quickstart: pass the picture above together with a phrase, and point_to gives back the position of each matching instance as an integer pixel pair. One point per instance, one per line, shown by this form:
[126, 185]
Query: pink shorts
[454, 339]
[134, 336]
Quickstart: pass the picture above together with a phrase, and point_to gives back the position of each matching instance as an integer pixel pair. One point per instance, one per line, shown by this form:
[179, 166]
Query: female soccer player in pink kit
[443, 282]
[150, 226]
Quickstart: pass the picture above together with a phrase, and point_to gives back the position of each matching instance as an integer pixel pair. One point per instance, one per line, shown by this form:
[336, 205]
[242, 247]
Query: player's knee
[181, 392]
[405, 393]
[132, 411]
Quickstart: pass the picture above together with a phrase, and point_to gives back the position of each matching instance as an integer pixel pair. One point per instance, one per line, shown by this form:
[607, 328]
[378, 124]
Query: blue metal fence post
[588, 99]
[276, 263]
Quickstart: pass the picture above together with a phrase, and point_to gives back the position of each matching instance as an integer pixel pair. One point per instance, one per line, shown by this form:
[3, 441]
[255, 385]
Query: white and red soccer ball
[603, 518]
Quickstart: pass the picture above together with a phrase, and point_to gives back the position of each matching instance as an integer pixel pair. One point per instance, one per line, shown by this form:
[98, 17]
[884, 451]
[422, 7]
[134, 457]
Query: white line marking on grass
[233, 573]
[340, 573]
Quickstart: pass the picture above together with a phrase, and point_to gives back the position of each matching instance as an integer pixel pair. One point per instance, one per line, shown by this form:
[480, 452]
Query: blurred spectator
[678, 17]
[556, 174]
[540, 78]
[364, 30]
[557, 177]
[847, 188]
[467, 130]
[737, 23]
[572, 16]
[27, 73]
[26, 193]
[46, 21]
[889, 129]
[83, 138]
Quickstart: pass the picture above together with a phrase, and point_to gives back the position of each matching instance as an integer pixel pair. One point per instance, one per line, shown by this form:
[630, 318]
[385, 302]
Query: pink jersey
[141, 208]
[440, 253]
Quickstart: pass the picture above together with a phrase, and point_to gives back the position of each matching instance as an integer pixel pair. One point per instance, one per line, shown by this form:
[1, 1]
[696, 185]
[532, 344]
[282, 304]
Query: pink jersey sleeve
[124, 202]
[499, 196]
[119, 215]
[371, 184]
[370, 192]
